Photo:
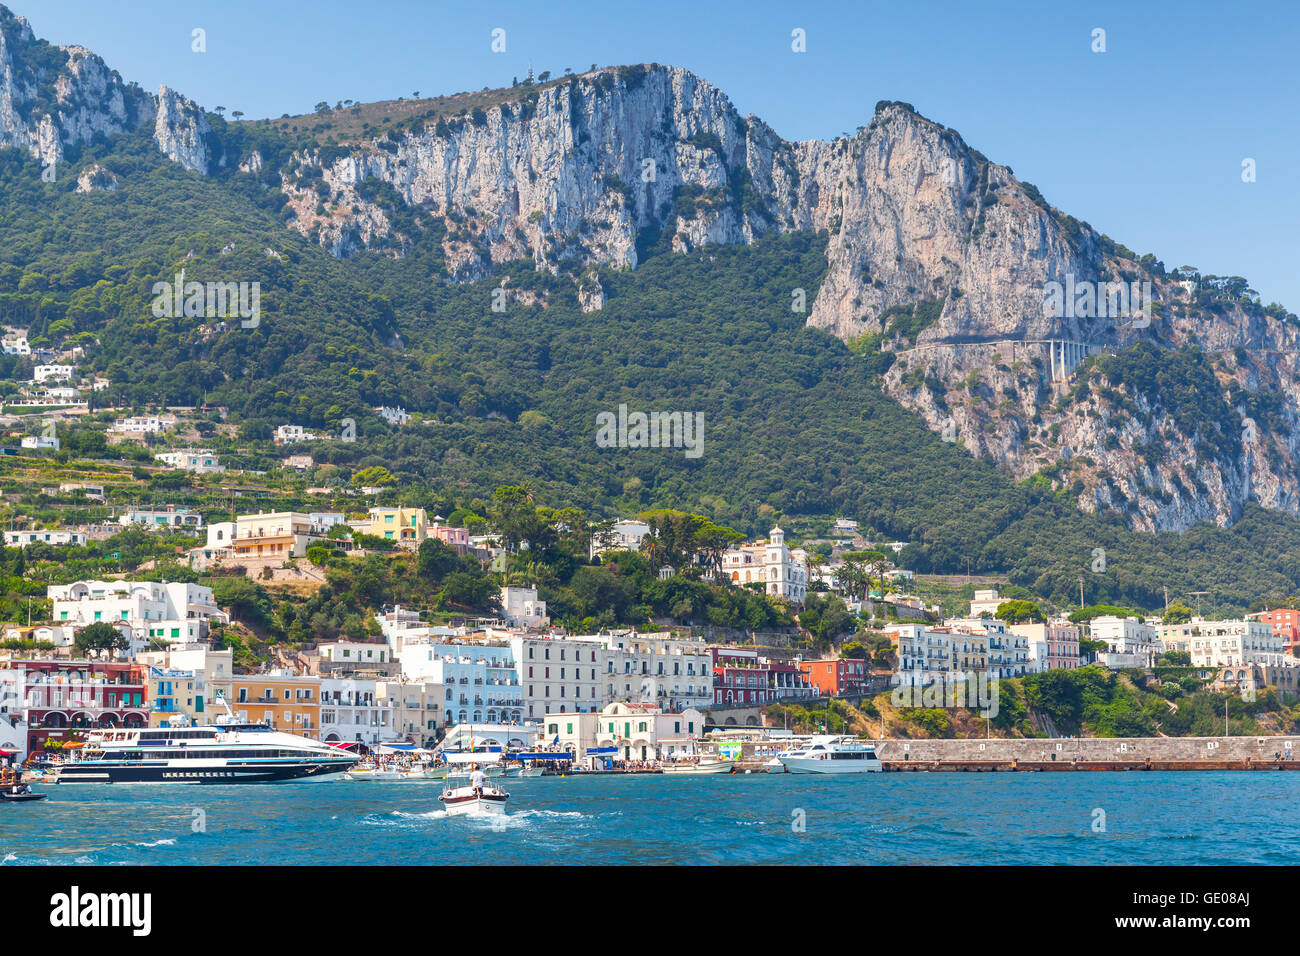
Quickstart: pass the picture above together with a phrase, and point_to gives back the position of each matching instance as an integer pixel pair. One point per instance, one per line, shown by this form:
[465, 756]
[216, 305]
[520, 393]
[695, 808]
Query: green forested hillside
[794, 421]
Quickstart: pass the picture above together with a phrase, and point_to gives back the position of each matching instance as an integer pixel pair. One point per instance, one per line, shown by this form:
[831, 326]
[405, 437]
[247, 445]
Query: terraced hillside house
[406, 526]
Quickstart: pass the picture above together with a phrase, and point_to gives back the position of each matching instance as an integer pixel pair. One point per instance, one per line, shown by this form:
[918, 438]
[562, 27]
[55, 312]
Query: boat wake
[165, 841]
[550, 814]
[400, 818]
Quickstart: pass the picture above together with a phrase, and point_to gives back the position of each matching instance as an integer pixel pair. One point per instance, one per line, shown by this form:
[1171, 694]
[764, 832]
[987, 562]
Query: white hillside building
[1129, 642]
[145, 610]
[782, 571]
[625, 535]
[521, 607]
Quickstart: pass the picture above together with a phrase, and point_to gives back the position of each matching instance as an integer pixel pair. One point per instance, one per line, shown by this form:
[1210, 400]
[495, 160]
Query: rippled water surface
[944, 818]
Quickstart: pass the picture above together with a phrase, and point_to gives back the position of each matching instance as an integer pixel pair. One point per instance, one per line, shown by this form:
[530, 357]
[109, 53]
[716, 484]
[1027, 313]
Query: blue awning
[601, 752]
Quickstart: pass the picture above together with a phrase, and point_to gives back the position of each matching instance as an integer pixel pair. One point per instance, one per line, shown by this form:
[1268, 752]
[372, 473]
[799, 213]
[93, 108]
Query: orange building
[836, 677]
[287, 703]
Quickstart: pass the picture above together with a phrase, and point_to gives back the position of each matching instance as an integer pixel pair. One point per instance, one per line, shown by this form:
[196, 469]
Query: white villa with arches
[783, 571]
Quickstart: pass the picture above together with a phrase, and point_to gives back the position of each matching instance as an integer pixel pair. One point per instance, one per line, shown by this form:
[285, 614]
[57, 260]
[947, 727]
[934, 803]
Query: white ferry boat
[830, 754]
[227, 752]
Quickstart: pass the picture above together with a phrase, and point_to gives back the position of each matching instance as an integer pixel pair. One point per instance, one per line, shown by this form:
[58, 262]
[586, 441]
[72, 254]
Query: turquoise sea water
[879, 819]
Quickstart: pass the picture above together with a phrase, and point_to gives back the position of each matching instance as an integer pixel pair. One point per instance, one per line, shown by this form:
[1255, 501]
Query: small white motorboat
[465, 801]
[775, 766]
[479, 796]
[532, 772]
[704, 766]
[383, 773]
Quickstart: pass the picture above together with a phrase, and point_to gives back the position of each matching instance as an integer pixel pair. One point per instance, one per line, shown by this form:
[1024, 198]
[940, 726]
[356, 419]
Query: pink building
[1052, 646]
[458, 538]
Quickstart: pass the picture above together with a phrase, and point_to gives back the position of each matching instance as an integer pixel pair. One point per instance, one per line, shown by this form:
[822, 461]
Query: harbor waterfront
[872, 819]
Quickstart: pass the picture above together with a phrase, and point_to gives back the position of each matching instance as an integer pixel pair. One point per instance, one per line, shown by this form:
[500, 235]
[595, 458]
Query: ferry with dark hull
[227, 752]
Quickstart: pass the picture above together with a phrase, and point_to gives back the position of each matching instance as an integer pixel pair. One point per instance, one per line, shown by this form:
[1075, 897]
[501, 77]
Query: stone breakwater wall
[1092, 749]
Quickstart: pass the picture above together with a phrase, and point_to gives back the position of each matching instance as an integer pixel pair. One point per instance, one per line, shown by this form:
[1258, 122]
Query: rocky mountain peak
[941, 265]
[56, 97]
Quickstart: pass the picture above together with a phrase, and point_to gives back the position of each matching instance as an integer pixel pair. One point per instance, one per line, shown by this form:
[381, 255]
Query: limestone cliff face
[571, 173]
[181, 130]
[936, 256]
[53, 97]
[918, 223]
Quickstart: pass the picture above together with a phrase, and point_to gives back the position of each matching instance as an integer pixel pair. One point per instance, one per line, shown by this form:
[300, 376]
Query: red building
[835, 678]
[61, 697]
[740, 676]
[1285, 622]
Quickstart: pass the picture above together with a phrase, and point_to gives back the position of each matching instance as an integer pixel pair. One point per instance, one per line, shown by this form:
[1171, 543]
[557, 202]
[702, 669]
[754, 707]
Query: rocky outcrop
[95, 177]
[181, 130]
[569, 174]
[53, 97]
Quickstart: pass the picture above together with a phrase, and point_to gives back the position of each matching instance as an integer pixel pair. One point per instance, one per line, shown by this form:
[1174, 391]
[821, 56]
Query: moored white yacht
[226, 752]
[832, 754]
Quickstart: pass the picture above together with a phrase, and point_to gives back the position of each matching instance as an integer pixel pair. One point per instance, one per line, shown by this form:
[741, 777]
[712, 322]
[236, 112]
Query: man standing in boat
[476, 780]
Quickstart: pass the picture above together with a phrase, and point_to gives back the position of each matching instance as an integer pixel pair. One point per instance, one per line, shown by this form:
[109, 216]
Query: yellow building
[279, 535]
[406, 526]
[288, 703]
[171, 694]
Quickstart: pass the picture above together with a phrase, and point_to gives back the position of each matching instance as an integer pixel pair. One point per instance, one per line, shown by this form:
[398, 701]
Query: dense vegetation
[1095, 702]
[795, 425]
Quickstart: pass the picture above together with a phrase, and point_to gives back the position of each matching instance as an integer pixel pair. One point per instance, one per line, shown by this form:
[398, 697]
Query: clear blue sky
[1144, 141]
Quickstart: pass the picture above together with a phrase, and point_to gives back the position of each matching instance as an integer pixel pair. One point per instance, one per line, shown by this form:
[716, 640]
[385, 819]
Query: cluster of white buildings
[143, 611]
[980, 645]
[503, 674]
[1248, 655]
